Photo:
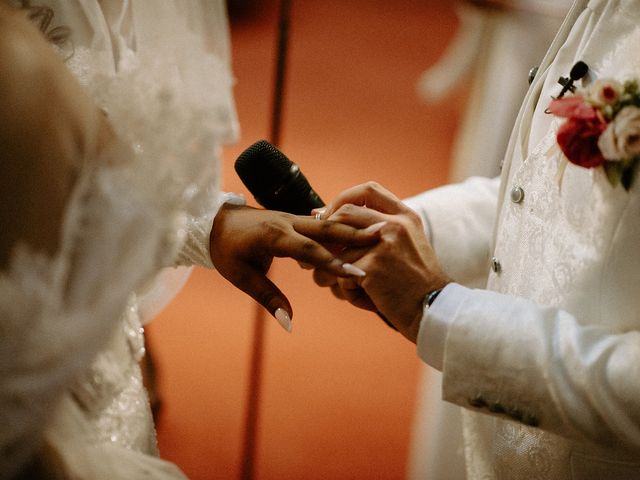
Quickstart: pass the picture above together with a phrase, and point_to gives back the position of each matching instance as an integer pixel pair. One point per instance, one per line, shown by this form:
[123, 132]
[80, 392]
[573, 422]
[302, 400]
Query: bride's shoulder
[46, 126]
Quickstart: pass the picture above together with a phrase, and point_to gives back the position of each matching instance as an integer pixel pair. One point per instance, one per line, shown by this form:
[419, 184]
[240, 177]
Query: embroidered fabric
[71, 327]
[564, 236]
[111, 393]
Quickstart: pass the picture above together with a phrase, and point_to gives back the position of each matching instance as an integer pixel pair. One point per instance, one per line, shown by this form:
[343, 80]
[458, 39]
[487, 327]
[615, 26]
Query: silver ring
[318, 216]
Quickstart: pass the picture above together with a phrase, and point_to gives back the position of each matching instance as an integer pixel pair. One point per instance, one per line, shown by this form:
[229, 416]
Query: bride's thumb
[267, 294]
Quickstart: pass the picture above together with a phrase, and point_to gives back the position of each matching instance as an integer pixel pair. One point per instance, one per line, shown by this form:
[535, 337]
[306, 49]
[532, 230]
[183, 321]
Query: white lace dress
[71, 332]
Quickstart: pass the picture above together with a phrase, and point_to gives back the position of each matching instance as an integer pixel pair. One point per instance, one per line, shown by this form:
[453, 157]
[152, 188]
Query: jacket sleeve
[459, 220]
[538, 365]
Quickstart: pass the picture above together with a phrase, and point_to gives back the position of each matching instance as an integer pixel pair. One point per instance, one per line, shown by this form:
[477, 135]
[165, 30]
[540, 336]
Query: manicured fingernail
[283, 319]
[371, 229]
[353, 270]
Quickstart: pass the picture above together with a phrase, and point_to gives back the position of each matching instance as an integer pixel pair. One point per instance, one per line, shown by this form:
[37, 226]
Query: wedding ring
[318, 216]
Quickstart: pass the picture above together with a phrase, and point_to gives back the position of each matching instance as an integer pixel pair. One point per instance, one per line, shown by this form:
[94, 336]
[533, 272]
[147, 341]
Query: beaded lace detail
[169, 102]
[111, 391]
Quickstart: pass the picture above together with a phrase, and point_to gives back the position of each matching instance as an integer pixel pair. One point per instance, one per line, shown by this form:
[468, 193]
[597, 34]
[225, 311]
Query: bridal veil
[71, 327]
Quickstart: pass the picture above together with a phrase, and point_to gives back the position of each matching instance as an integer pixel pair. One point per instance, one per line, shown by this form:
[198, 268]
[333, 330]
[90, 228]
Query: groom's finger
[359, 217]
[370, 194]
[334, 233]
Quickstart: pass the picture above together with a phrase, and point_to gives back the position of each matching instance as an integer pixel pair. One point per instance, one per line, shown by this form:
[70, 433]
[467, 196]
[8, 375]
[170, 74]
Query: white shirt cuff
[436, 323]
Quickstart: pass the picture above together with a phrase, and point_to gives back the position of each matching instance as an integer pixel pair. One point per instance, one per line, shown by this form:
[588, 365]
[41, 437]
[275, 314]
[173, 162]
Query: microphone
[278, 184]
[275, 181]
[578, 71]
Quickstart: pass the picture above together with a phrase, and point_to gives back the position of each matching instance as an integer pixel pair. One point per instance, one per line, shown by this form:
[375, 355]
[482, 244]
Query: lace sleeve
[196, 232]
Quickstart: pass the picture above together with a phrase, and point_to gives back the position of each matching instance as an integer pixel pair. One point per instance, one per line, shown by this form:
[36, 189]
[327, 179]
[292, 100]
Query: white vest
[567, 239]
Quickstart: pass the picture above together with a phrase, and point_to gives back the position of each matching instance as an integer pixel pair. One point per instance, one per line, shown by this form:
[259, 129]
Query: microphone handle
[294, 195]
[565, 88]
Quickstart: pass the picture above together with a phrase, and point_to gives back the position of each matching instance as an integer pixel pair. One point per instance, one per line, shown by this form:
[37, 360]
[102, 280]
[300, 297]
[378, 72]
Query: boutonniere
[602, 128]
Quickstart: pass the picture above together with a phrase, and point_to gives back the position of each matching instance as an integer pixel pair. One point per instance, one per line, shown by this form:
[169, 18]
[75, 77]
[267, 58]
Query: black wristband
[431, 297]
[384, 319]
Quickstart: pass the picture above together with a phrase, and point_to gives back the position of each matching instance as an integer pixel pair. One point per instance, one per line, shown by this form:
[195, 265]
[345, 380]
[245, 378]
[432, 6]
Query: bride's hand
[244, 241]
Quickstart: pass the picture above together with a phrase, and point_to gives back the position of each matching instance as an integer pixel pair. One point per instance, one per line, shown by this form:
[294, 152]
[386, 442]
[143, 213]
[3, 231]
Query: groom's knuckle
[393, 229]
[402, 226]
[372, 186]
[413, 217]
[347, 209]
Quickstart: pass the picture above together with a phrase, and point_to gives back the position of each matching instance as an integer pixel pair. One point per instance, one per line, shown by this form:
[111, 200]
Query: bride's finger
[352, 255]
[306, 250]
[324, 278]
[338, 292]
[356, 296]
[256, 284]
[348, 284]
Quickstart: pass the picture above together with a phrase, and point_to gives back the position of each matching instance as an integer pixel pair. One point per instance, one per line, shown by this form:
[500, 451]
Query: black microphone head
[261, 166]
[275, 181]
[579, 70]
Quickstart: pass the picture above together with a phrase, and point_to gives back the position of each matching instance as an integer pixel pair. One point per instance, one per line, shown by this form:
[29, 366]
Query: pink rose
[572, 107]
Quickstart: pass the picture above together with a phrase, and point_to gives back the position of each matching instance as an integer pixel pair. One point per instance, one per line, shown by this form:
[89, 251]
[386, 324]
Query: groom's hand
[401, 269]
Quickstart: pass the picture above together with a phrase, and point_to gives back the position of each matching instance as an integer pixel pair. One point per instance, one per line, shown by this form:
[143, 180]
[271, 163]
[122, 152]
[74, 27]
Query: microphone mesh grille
[262, 165]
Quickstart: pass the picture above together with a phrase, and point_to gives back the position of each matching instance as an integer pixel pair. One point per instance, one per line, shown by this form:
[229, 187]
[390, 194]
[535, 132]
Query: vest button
[533, 71]
[495, 265]
[517, 194]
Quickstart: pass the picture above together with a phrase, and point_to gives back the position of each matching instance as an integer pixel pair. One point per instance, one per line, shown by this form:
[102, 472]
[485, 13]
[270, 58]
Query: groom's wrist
[439, 308]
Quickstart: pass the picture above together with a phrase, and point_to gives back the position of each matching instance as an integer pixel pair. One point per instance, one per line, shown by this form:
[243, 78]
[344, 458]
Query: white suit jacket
[546, 360]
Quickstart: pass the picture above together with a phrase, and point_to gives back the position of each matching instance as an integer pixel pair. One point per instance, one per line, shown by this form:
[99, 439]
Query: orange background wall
[338, 394]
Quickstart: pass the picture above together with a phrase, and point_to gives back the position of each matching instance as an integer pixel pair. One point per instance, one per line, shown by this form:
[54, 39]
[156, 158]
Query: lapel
[518, 142]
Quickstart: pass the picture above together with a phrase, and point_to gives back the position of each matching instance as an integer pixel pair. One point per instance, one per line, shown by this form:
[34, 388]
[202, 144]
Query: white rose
[621, 139]
[604, 91]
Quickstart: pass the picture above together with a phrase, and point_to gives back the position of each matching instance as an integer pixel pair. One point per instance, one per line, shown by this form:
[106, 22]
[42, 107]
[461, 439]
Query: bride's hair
[42, 17]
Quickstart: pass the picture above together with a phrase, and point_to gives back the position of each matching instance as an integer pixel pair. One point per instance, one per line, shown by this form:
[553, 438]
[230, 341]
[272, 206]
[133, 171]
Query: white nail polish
[353, 270]
[283, 319]
[375, 227]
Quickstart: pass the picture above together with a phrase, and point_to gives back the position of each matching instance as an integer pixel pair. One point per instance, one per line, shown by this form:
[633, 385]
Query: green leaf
[613, 171]
[629, 171]
[630, 86]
